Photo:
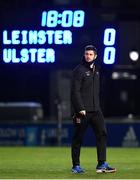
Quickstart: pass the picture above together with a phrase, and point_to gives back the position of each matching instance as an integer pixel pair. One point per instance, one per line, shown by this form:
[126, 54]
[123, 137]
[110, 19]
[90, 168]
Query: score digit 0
[109, 42]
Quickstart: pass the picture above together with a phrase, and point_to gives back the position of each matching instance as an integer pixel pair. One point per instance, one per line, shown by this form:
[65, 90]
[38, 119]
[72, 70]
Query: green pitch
[55, 163]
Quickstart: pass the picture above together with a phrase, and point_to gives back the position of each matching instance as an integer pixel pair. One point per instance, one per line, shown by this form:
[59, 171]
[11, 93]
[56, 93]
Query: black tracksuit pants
[96, 120]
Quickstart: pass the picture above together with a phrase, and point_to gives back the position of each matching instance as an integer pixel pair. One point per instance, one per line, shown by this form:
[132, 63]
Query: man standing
[85, 102]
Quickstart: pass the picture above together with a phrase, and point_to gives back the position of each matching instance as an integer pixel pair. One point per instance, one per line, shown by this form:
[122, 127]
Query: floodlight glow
[134, 55]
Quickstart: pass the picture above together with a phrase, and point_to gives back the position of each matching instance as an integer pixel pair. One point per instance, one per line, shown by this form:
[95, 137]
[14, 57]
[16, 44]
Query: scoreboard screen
[54, 36]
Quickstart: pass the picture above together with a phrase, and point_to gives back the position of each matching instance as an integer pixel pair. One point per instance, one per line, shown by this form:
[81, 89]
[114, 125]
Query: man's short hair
[91, 47]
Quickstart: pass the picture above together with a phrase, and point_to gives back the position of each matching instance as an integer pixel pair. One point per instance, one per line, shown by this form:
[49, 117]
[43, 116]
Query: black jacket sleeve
[76, 98]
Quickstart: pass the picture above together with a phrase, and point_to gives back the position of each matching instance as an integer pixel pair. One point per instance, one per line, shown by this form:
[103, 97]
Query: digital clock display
[67, 18]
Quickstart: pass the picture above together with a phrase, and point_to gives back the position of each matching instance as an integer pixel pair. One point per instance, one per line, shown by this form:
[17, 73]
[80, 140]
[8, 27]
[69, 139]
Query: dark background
[49, 84]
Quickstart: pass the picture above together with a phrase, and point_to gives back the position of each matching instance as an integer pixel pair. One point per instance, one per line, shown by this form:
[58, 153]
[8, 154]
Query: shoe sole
[105, 171]
[76, 172]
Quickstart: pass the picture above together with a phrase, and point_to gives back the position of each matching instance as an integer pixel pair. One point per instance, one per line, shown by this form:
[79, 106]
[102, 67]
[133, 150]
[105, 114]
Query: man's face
[90, 55]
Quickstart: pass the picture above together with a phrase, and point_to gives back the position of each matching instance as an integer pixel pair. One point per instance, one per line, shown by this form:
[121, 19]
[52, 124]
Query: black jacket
[85, 88]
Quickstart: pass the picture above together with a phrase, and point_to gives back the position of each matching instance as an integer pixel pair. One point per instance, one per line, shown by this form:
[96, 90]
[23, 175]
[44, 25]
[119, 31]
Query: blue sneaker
[77, 169]
[105, 168]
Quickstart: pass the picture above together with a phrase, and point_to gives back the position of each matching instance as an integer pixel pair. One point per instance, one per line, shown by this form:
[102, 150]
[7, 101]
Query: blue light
[109, 36]
[41, 55]
[52, 18]
[50, 54]
[15, 37]
[44, 18]
[33, 52]
[24, 37]
[24, 55]
[59, 22]
[33, 55]
[15, 34]
[7, 55]
[5, 38]
[109, 55]
[41, 37]
[59, 15]
[67, 18]
[78, 18]
[67, 37]
[50, 36]
[32, 37]
[14, 58]
[58, 37]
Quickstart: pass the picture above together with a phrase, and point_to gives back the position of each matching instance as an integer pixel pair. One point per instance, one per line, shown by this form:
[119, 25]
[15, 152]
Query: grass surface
[53, 163]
